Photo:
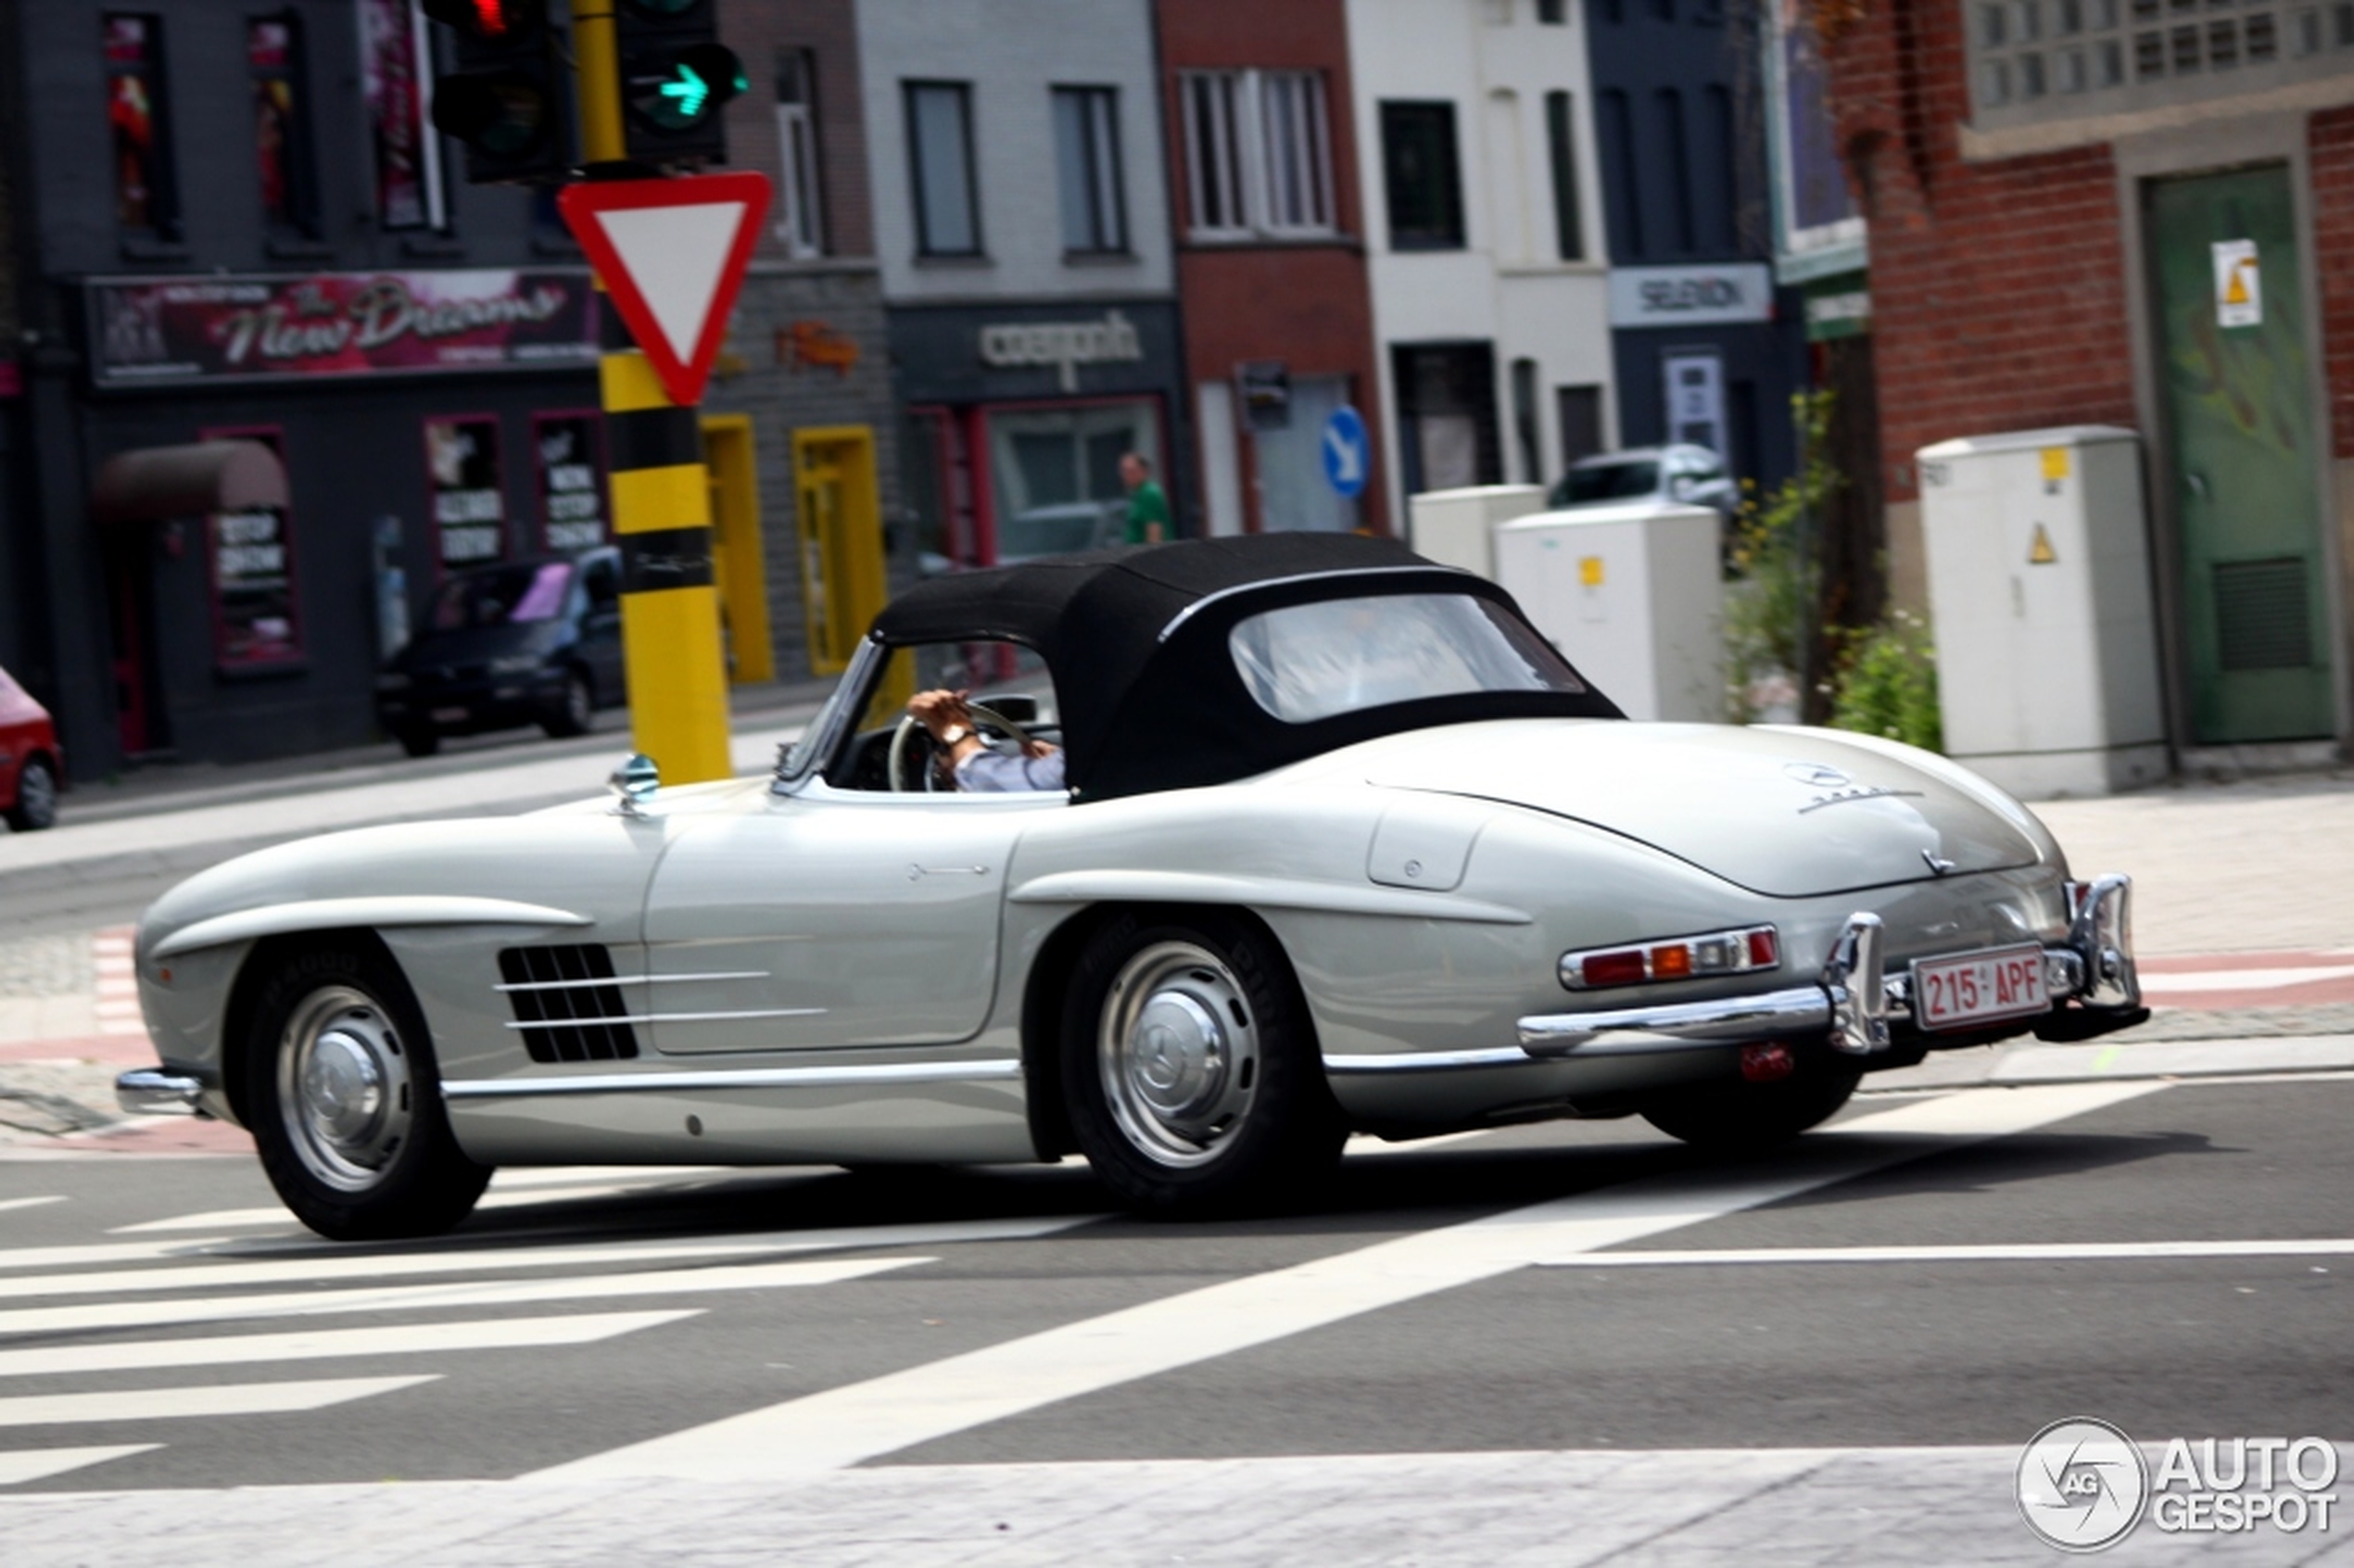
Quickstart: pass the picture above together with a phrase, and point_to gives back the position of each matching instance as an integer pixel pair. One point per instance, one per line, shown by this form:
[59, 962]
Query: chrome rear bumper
[2091, 977]
[151, 1092]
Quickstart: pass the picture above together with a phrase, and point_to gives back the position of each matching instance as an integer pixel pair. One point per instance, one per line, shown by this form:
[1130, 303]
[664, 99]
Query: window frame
[1104, 178]
[801, 165]
[443, 566]
[165, 223]
[1561, 151]
[296, 656]
[1249, 150]
[300, 217]
[593, 419]
[911, 89]
[1454, 231]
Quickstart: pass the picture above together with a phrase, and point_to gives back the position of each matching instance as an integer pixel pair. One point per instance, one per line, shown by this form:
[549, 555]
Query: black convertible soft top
[1136, 640]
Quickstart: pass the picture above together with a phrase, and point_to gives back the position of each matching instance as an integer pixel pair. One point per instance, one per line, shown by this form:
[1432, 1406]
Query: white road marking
[507, 1189]
[862, 1421]
[456, 1294]
[83, 1253]
[2014, 1252]
[31, 1202]
[319, 1345]
[19, 1465]
[274, 1267]
[2241, 979]
[1364, 1144]
[219, 1399]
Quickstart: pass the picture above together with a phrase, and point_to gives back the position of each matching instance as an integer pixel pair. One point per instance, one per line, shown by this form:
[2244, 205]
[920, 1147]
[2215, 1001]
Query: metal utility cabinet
[1633, 595]
[1454, 527]
[2039, 583]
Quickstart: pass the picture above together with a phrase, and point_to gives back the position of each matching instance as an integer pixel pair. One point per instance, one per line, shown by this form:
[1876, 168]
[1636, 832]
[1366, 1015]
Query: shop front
[282, 471]
[1016, 418]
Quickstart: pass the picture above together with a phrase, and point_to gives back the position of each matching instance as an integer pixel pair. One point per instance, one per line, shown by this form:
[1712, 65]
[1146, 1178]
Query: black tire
[1231, 1111]
[574, 710]
[1733, 1116]
[422, 741]
[344, 1100]
[36, 804]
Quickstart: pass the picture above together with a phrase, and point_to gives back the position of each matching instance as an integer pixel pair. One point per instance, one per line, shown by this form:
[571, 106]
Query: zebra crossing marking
[214, 1399]
[32, 1202]
[75, 1254]
[321, 1344]
[508, 1190]
[20, 1465]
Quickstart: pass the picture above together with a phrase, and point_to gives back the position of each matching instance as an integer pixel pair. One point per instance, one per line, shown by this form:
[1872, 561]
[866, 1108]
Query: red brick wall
[2333, 152]
[1308, 305]
[756, 30]
[1998, 289]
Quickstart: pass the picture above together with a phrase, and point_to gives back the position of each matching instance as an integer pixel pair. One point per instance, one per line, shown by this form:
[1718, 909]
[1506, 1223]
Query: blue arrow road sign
[1349, 451]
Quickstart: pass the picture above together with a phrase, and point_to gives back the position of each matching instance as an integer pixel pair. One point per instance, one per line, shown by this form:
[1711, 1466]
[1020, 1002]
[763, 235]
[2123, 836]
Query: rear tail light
[1691, 957]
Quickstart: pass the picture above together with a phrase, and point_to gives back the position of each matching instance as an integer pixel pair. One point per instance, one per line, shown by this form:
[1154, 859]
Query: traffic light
[509, 101]
[675, 76]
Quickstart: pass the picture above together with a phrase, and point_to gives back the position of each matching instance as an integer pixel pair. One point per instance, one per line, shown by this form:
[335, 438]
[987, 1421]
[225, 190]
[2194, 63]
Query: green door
[2238, 407]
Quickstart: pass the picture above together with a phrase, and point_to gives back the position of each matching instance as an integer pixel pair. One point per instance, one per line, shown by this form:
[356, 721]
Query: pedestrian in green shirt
[1148, 506]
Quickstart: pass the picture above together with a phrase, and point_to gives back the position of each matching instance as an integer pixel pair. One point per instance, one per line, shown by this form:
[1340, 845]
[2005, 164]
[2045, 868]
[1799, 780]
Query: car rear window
[1612, 481]
[1309, 662]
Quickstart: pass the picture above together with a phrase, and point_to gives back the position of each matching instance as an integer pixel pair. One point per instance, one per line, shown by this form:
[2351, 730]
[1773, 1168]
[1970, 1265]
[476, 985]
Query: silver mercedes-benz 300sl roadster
[1343, 845]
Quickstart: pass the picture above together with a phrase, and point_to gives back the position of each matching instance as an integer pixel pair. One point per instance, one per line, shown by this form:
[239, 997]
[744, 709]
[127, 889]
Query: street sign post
[1348, 452]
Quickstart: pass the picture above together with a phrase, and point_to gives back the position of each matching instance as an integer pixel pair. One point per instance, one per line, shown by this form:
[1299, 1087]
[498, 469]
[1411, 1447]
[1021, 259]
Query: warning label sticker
[2040, 552]
[2239, 285]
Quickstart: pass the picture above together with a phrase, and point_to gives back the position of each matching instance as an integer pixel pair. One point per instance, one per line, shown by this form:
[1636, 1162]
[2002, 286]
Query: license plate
[1979, 988]
[449, 715]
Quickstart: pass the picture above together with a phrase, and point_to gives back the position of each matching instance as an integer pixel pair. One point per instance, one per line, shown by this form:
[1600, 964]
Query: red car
[31, 762]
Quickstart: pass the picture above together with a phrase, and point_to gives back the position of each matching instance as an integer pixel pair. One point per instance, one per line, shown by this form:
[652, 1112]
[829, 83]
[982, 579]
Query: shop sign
[817, 344]
[468, 503]
[1839, 309]
[1655, 296]
[146, 332]
[1064, 345]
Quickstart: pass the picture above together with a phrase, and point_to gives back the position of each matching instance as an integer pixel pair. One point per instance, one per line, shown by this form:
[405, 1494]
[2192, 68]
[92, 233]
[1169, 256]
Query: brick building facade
[2035, 175]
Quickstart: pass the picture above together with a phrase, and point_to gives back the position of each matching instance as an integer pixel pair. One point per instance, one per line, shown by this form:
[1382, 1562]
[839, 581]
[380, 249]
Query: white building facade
[1485, 239]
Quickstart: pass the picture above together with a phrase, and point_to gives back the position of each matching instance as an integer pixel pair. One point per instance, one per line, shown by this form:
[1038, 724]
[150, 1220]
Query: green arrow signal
[690, 91]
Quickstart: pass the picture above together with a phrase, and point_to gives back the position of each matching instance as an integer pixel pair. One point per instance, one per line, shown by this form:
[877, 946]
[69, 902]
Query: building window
[1087, 165]
[1553, 13]
[1423, 178]
[799, 211]
[1580, 410]
[468, 497]
[569, 453]
[2038, 60]
[281, 126]
[1258, 151]
[407, 156]
[1561, 137]
[939, 159]
[146, 204]
[1526, 437]
[1616, 124]
[250, 563]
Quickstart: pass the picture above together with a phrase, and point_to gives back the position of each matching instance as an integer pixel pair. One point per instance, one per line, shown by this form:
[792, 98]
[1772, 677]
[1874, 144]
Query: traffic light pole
[660, 493]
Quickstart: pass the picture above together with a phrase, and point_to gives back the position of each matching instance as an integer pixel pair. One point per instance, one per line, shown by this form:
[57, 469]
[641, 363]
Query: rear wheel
[419, 741]
[1191, 1067]
[345, 1101]
[1734, 1114]
[36, 804]
[574, 710]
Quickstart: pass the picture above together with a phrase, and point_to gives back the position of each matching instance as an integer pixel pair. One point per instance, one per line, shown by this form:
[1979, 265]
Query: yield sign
[672, 253]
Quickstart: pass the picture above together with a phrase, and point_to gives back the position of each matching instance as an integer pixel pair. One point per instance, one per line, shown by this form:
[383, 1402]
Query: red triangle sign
[672, 253]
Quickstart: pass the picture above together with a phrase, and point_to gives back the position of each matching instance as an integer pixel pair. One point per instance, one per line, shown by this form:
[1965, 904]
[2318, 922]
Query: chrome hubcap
[343, 1087]
[1179, 1054]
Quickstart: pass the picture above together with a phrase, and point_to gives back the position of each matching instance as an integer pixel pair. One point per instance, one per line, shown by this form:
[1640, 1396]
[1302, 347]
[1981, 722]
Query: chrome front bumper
[151, 1092]
[2091, 976]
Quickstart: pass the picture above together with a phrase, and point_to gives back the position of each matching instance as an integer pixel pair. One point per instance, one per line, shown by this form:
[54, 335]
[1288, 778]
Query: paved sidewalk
[1717, 1507]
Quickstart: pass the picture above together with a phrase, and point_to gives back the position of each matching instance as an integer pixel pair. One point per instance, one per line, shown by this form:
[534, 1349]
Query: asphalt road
[1488, 1295]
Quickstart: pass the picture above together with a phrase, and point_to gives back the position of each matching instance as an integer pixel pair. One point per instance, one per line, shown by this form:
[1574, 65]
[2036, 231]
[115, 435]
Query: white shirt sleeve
[988, 772]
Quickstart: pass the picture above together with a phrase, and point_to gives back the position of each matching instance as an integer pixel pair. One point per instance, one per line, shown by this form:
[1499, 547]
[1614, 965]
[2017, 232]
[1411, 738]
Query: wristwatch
[954, 733]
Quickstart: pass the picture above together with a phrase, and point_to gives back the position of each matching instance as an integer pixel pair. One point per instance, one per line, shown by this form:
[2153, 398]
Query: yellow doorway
[739, 562]
[842, 585]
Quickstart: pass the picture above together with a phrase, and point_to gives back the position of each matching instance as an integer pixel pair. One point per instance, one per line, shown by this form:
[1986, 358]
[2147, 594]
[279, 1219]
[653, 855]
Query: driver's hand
[940, 712]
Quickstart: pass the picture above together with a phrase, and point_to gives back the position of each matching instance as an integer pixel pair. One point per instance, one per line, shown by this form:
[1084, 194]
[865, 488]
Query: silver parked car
[1346, 845]
[1686, 475]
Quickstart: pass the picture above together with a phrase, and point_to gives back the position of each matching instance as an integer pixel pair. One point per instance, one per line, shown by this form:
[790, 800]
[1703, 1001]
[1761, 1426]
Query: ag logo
[2082, 1483]
[1817, 776]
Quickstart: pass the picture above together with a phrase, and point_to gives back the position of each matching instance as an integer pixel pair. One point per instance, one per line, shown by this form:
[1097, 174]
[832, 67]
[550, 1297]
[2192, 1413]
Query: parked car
[32, 762]
[1346, 845]
[520, 642]
[1062, 529]
[1688, 475]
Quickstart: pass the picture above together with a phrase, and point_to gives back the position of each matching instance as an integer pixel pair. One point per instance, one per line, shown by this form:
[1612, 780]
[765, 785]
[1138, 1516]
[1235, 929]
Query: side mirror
[634, 782]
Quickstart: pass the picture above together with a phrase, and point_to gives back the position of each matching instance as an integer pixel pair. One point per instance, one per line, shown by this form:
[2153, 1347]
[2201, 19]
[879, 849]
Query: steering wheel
[923, 776]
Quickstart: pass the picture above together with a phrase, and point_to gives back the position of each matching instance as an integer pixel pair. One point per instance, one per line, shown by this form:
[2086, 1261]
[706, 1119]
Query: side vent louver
[568, 1004]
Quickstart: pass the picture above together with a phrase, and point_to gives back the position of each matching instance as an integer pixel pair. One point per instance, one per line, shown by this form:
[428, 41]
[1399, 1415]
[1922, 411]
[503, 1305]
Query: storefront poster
[149, 331]
[468, 503]
[251, 557]
[408, 170]
[572, 491]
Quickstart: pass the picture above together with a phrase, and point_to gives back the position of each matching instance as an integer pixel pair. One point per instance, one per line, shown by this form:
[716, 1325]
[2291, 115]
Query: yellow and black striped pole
[670, 633]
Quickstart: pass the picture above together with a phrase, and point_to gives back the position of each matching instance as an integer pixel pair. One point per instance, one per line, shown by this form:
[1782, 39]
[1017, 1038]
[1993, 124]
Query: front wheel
[1735, 1116]
[345, 1101]
[1191, 1069]
[574, 710]
[36, 804]
[419, 741]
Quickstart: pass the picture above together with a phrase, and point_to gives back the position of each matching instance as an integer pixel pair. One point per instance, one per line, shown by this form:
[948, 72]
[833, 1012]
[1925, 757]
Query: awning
[157, 484]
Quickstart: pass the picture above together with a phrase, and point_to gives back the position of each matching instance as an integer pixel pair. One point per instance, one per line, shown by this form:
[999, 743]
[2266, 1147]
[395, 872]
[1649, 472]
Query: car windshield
[1310, 662]
[1609, 481]
[502, 596]
[1050, 530]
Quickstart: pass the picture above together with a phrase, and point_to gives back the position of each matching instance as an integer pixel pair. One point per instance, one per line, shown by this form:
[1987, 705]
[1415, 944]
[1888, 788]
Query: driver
[948, 716]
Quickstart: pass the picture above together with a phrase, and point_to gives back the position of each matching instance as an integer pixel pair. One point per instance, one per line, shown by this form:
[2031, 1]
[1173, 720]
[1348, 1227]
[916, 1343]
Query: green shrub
[1886, 683]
